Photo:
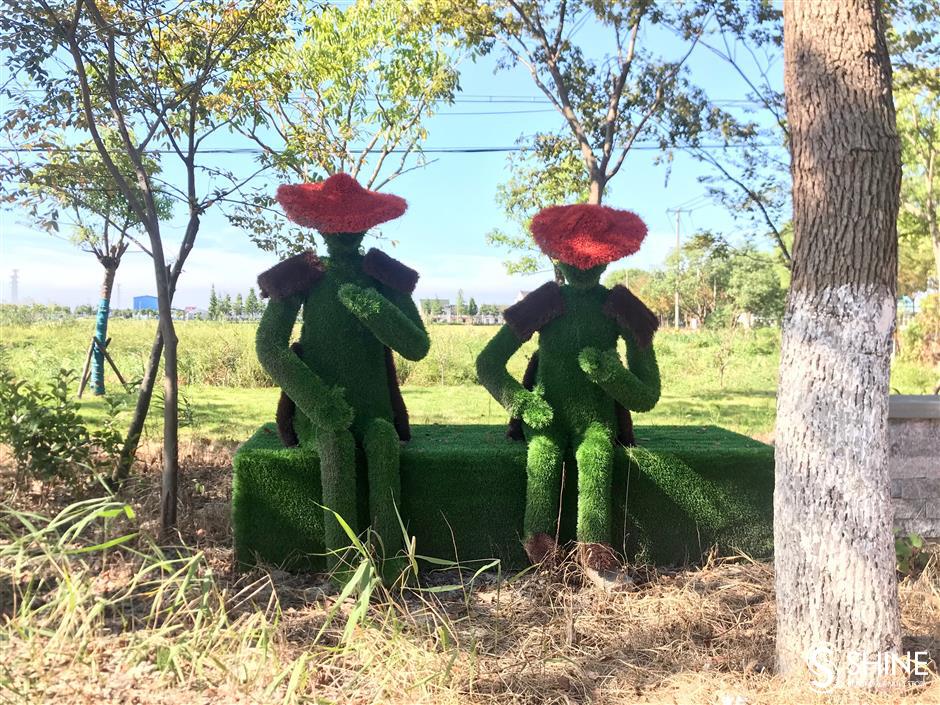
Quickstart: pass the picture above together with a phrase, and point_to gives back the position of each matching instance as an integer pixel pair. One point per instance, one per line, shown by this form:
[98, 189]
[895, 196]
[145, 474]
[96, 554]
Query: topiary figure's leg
[595, 458]
[337, 451]
[381, 446]
[546, 453]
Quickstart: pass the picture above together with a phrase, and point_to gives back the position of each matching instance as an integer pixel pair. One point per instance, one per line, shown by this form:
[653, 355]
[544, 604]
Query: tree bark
[168, 495]
[141, 408]
[935, 241]
[145, 395]
[932, 223]
[101, 325]
[837, 599]
[168, 491]
[596, 193]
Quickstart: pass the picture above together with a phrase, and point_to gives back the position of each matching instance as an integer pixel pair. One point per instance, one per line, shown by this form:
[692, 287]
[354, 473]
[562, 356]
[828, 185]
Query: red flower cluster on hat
[585, 235]
[338, 205]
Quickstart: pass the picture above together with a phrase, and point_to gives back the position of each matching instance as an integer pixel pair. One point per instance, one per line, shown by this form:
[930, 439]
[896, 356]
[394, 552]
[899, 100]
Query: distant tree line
[718, 285]
[223, 308]
[462, 307]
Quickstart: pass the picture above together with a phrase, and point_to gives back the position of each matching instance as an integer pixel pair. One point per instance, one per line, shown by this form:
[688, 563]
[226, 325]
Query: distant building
[145, 303]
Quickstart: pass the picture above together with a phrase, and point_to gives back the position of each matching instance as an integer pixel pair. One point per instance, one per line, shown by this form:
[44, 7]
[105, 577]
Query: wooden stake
[107, 356]
[85, 370]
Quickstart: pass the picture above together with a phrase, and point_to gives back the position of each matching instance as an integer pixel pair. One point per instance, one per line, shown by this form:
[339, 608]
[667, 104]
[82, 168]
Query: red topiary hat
[586, 235]
[338, 205]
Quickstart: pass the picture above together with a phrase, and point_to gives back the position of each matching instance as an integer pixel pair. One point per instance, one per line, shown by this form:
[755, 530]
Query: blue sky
[451, 207]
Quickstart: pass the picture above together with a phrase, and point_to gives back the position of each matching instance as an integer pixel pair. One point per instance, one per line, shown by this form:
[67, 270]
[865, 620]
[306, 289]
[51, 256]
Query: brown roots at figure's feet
[542, 550]
[602, 568]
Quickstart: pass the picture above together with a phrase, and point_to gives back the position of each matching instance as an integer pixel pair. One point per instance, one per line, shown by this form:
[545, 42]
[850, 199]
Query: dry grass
[138, 623]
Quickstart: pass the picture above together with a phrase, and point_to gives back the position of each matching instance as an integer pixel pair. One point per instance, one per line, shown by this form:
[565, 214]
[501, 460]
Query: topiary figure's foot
[543, 550]
[602, 568]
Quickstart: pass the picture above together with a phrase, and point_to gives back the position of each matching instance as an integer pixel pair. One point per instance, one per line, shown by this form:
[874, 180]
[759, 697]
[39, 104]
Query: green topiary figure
[340, 375]
[576, 393]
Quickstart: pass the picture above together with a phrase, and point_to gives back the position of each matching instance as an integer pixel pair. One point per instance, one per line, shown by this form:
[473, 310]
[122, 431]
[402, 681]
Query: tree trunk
[170, 477]
[837, 599]
[936, 256]
[934, 228]
[145, 395]
[101, 326]
[596, 193]
[165, 280]
[170, 480]
[141, 408]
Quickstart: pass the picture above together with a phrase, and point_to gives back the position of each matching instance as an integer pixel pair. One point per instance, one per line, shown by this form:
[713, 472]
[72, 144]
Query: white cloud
[481, 276]
[52, 270]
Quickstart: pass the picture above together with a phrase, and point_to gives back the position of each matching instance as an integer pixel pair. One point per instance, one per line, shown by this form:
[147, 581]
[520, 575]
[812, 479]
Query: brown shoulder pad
[631, 314]
[389, 271]
[536, 310]
[295, 275]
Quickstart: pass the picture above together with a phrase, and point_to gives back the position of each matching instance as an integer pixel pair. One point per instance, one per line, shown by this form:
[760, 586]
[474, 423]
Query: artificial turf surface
[687, 489]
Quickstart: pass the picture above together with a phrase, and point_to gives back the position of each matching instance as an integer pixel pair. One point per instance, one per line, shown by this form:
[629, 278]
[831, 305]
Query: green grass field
[725, 378]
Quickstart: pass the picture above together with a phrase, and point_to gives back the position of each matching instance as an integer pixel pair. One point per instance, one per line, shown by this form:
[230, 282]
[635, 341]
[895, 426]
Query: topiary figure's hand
[636, 391]
[331, 411]
[532, 408]
[386, 321]
[364, 304]
[600, 366]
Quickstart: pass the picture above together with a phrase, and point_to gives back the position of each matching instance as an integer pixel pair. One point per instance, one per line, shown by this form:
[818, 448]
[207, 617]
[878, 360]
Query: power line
[493, 112]
[356, 150]
[475, 98]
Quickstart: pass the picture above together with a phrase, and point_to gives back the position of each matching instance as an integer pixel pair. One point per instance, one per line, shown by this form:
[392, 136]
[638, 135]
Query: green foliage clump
[920, 340]
[718, 285]
[46, 434]
[910, 554]
[28, 314]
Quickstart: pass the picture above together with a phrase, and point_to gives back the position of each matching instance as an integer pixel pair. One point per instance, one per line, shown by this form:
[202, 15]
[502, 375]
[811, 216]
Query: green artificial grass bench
[685, 490]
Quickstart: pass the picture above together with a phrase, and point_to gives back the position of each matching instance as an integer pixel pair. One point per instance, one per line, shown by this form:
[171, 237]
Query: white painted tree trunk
[837, 601]
[834, 559]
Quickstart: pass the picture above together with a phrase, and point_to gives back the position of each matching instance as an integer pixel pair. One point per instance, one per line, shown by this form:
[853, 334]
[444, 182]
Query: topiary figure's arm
[326, 406]
[397, 324]
[531, 407]
[636, 387]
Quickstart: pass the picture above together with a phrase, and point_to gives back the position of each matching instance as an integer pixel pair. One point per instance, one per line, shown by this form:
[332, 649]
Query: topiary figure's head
[585, 238]
[340, 208]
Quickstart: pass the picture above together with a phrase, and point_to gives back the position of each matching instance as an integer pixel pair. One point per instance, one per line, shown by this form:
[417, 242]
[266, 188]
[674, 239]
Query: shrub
[920, 339]
[46, 434]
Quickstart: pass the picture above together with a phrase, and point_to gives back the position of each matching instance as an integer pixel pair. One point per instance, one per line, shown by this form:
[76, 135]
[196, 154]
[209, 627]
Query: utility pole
[677, 211]
[15, 287]
[677, 267]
